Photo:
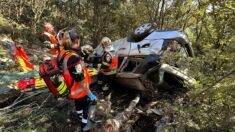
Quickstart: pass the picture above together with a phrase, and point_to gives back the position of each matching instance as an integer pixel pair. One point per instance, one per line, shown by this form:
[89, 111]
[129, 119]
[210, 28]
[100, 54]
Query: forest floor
[43, 112]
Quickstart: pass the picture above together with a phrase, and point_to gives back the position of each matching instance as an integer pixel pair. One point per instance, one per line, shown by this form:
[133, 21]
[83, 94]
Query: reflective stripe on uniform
[76, 91]
[105, 63]
[52, 46]
[79, 111]
[84, 120]
[62, 88]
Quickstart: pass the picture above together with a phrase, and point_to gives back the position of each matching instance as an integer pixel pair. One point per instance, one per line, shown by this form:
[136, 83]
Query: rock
[149, 111]
[157, 111]
[7, 96]
[68, 121]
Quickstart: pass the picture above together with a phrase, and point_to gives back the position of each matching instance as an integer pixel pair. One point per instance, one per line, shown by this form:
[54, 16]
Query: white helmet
[87, 48]
[105, 42]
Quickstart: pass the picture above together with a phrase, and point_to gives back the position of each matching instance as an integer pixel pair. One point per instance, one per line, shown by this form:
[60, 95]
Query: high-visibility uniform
[73, 67]
[108, 68]
[76, 91]
[53, 40]
[109, 65]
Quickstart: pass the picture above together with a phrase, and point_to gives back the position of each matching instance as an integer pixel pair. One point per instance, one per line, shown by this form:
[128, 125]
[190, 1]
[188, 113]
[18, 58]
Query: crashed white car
[140, 58]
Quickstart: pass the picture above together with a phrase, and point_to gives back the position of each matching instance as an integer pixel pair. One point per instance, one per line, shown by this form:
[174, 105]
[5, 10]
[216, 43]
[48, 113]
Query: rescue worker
[48, 37]
[76, 76]
[109, 64]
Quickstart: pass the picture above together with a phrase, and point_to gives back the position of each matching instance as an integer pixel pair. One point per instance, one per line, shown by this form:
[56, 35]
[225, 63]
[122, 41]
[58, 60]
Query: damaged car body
[140, 59]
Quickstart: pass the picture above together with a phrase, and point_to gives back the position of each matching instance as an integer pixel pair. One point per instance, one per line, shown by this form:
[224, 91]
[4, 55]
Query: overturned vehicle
[140, 57]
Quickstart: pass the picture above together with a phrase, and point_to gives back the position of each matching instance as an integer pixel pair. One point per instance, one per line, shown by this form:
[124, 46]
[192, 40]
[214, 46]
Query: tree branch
[113, 125]
[216, 82]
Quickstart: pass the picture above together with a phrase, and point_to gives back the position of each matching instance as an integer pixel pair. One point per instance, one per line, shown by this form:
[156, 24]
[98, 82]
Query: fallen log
[113, 125]
[18, 101]
[104, 106]
[128, 126]
[108, 105]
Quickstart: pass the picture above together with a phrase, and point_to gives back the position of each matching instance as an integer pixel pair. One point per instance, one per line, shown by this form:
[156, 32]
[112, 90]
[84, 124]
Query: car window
[174, 47]
[156, 46]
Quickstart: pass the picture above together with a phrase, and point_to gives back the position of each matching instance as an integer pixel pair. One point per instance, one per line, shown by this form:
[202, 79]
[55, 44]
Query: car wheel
[174, 81]
[141, 32]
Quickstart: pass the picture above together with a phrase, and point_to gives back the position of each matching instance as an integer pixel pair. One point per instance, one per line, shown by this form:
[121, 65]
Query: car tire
[173, 80]
[141, 32]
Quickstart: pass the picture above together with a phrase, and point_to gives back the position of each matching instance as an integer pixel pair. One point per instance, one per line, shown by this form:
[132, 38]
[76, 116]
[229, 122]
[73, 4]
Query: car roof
[173, 34]
[115, 44]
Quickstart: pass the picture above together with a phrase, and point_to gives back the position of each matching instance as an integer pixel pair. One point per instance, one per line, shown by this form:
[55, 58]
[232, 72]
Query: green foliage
[213, 109]
[208, 23]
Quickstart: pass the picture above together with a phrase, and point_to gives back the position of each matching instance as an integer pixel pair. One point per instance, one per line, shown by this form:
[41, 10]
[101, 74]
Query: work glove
[46, 43]
[91, 96]
[50, 45]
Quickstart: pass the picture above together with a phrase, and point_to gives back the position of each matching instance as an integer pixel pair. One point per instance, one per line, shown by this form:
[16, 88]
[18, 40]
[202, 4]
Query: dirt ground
[43, 112]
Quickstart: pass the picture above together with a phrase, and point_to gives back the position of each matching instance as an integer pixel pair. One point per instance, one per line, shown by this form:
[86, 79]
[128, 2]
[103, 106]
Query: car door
[122, 47]
[146, 47]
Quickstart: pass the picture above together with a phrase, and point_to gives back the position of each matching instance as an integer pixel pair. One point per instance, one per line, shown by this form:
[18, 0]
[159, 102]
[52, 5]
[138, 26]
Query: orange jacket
[76, 91]
[53, 40]
[114, 64]
[112, 67]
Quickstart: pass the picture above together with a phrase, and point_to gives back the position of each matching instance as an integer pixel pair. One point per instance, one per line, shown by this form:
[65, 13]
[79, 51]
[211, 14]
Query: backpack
[51, 72]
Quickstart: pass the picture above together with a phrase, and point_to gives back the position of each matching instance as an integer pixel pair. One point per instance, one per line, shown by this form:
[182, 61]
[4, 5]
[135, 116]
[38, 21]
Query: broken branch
[113, 125]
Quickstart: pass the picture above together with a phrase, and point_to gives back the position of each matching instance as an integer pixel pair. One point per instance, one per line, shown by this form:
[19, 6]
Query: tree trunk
[162, 14]
[113, 125]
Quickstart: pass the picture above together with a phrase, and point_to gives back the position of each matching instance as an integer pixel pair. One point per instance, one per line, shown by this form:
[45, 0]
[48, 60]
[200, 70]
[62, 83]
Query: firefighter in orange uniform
[76, 76]
[48, 37]
[109, 65]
